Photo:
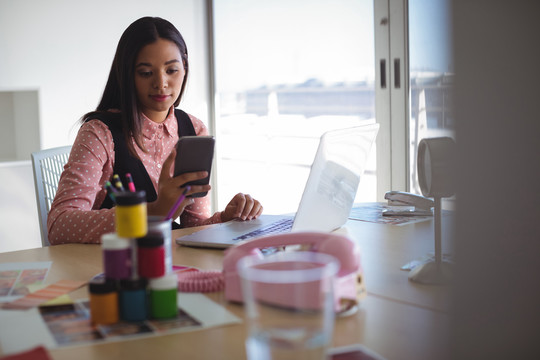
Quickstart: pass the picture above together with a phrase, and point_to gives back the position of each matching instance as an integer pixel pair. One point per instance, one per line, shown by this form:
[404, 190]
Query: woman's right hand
[170, 188]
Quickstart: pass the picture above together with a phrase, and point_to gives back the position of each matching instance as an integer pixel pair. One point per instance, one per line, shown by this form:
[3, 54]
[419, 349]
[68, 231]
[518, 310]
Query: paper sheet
[15, 278]
[69, 325]
[372, 212]
[41, 296]
[23, 329]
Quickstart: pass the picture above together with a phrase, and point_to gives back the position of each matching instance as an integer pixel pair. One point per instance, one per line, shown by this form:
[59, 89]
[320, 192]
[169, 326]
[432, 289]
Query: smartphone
[194, 153]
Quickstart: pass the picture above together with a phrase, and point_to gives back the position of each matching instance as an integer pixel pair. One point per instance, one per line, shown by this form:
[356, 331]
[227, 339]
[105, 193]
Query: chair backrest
[48, 165]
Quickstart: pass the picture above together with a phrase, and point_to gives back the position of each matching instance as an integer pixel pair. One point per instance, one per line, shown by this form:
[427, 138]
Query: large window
[287, 71]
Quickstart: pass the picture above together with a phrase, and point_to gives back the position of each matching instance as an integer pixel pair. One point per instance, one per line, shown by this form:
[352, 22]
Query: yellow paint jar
[131, 214]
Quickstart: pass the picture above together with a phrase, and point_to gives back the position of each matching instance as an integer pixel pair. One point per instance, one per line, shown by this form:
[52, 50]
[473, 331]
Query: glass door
[413, 85]
[285, 72]
[431, 73]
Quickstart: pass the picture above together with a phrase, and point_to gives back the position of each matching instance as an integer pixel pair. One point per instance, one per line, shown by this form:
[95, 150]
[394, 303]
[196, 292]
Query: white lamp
[435, 174]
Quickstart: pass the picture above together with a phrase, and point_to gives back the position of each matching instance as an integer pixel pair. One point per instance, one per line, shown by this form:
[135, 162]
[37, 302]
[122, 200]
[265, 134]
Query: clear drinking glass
[289, 303]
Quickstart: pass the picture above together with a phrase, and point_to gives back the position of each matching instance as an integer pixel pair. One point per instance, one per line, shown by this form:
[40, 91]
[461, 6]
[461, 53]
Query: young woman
[134, 130]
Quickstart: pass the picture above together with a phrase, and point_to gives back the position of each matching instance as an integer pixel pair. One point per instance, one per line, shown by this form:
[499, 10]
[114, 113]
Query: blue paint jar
[133, 301]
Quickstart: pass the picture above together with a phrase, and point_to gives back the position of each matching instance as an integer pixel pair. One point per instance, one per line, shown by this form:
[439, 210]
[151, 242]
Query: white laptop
[327, 199]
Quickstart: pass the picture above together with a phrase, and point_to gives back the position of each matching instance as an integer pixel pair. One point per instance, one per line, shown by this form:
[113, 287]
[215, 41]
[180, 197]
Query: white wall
[65, 49]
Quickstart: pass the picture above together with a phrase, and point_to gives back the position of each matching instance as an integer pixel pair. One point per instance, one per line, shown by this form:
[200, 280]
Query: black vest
[125, 163]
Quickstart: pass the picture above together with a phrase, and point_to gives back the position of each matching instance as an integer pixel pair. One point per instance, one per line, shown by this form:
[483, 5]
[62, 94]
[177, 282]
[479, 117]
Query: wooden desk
[398, 319]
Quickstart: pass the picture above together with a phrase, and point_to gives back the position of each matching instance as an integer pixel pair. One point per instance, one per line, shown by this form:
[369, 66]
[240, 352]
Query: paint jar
[163, 297]
[158, 225]
[103, 301]
[117, 256]
[133, 300]
[131, 214]
[151, 256]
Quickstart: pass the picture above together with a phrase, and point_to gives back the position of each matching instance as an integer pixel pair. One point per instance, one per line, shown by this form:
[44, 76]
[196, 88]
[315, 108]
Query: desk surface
[398, 319]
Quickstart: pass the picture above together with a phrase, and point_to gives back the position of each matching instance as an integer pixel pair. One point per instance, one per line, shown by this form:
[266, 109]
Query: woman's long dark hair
[120, 91]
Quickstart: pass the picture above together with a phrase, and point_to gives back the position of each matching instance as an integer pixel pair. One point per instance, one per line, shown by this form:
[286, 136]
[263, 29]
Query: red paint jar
[151, 256]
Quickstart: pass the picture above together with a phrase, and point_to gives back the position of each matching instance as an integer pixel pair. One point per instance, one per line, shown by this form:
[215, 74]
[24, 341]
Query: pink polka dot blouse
[75, 215]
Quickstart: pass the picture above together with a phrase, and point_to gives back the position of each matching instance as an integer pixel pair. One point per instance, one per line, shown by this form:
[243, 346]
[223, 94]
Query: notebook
[327, 199]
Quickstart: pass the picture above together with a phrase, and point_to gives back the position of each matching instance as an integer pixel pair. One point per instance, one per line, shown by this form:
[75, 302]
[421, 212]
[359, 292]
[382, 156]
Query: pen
[131, 185]
[110, 190]
[118, 182]
[177, 204]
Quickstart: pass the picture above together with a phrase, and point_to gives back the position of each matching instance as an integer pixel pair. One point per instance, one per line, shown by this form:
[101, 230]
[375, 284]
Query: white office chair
[48, 165]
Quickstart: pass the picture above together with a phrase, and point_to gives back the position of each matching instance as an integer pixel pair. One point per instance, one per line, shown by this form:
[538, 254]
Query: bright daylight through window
[287, 71]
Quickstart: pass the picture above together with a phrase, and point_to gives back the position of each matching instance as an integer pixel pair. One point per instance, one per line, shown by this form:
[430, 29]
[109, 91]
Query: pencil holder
[131, 214]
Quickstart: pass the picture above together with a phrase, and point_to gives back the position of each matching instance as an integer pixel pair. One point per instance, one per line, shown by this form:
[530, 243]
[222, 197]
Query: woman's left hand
[243, 207]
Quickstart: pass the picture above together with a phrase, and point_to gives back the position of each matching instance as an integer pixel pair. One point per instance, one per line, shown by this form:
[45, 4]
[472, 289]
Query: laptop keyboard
[280, 226]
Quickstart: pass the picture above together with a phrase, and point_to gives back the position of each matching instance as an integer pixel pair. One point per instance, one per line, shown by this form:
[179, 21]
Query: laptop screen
[334, 178]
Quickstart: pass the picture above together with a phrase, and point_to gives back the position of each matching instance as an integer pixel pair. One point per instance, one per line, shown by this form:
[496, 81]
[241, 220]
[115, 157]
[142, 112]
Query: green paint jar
[163, 297]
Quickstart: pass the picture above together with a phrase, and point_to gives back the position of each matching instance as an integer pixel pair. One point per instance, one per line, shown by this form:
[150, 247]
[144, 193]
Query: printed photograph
[70, 324]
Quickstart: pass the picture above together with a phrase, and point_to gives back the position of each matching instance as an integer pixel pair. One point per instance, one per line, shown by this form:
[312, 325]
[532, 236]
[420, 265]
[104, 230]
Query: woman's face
[159, 74]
